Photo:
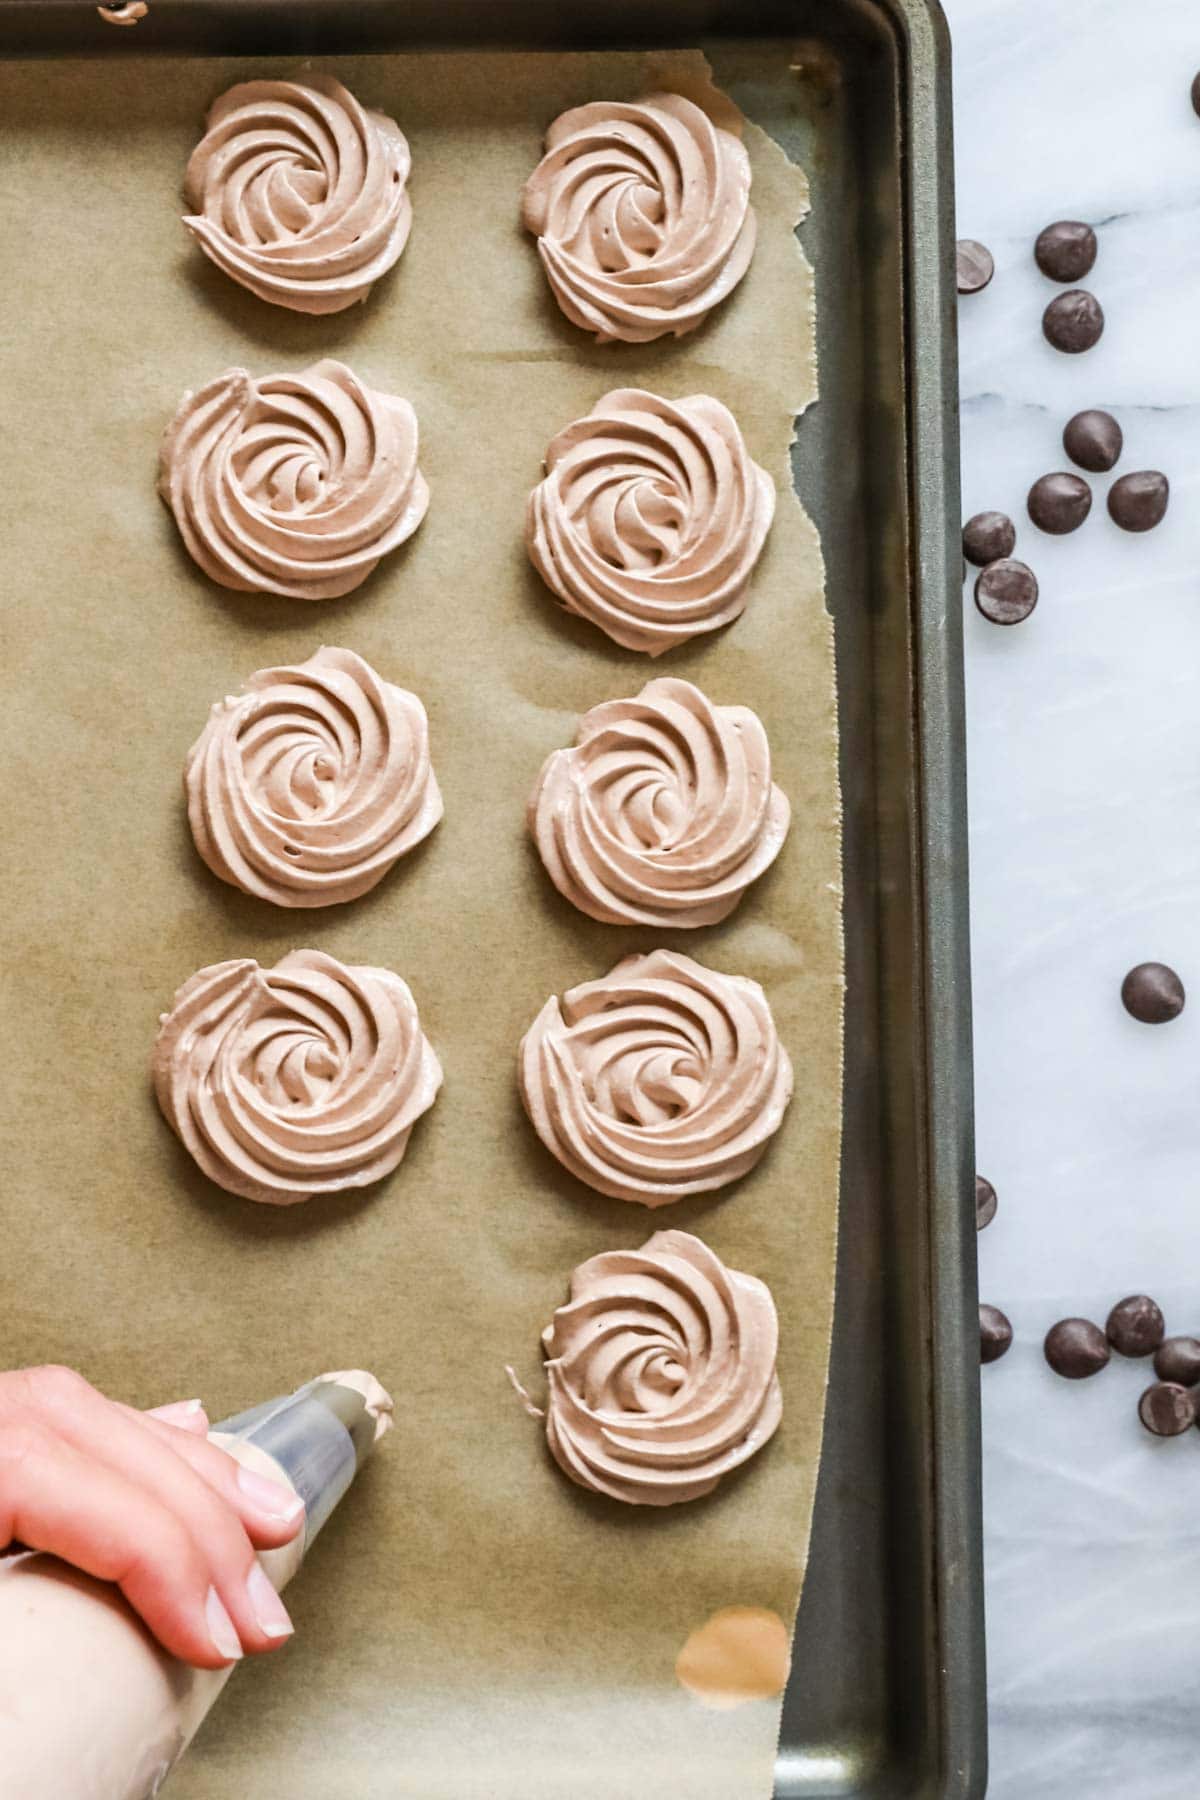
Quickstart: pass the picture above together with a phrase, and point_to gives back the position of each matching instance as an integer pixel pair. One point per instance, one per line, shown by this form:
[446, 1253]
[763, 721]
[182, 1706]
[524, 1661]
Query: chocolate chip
[1178, 1359]
[1093, 440]
[1073, 322]
[1006, 591]
[1138, 502]
[985, 1205]
[1153, 994]
[1166, 1409]
[995, 1334]
[1196, 93]
[1059, 503]
[1066, 250]
[1135, 1325]
[987, 536]
[1076, 1348]
[973, 265]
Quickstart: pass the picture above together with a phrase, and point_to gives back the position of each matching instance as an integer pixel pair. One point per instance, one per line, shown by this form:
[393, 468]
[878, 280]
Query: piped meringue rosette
[295, 1081]
[663, 1078]
[661, 1371]
[299, 193]
[664, 811]
[292, 484]
[650, 518]
[642, 216]
[308, 786]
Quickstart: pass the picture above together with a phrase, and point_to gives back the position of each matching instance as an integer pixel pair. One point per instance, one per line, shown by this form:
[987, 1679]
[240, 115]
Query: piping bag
[91, 1707]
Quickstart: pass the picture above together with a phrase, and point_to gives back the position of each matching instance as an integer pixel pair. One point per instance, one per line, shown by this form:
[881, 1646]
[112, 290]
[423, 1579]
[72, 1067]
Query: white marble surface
[1084, 753]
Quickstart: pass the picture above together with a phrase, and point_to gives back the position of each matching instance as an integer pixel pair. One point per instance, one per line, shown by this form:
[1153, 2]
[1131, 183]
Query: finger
[52, 1498]
[187, 1415]
[271, 1511]
[143, 1453]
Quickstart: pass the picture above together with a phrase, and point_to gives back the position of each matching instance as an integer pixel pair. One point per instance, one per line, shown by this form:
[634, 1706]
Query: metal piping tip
[369, 1421]
[320, 1436]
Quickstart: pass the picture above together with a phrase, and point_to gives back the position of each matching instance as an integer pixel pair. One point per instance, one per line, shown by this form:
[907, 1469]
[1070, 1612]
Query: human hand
[145, 1501]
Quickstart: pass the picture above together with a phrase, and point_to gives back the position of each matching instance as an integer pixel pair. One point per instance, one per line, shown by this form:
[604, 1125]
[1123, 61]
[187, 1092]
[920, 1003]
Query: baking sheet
[476, 1626]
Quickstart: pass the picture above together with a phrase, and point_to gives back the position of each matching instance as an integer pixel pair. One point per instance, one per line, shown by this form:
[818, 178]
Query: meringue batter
[661, 1370]
[650, 518]
[292, 484]
[309, 786]
[642, 215]
[661, 1079]
[299, 193]
[299, 1080]
[663, 813]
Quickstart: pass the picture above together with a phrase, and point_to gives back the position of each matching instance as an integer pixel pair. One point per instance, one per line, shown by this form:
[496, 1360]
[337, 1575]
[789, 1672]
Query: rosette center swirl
[649, 1084]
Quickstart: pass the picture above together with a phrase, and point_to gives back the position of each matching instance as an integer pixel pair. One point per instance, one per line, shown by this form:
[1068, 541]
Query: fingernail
[271, 1498]
[180, 1412]
[269, 1610]
[221, 1628]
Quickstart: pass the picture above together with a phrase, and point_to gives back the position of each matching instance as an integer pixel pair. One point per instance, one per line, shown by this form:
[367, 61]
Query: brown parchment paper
[471, 1624]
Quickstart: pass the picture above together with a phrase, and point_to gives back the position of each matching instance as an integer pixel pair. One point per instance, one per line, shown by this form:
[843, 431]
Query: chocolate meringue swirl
[294, 1081]
[650, 518]
[307, 787]
[662, 1372]
[299, 193]
[663, 813]
[661, 1079]
[292, 484]
[642, 215]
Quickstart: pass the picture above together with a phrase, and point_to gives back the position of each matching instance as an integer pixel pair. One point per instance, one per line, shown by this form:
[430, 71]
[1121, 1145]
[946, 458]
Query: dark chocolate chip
[1066, 250]
[1059, 503]
[1196, 93]
[1135, 1326]
[1153, 994]
[1076, 1348]
[1138, 502]
[1178, 1359]
[973, 265]
[1093, 440]
[987, 536]
[1073, 322]
[995, 1334]
[1167, 1409]
[1006, 591]
[985, 1206]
